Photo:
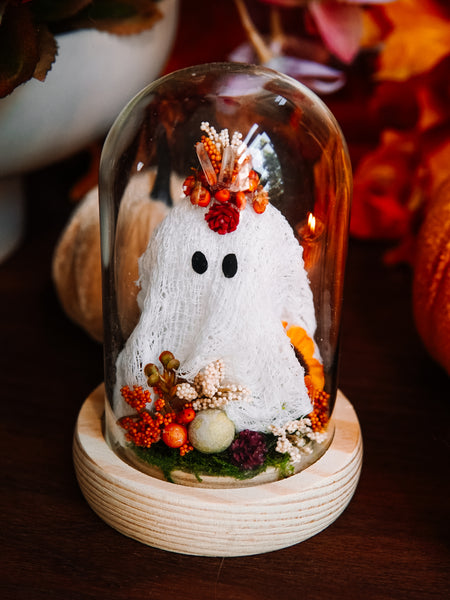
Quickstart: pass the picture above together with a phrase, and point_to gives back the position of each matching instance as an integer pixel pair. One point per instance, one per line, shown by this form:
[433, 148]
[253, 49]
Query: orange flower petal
[305, 345]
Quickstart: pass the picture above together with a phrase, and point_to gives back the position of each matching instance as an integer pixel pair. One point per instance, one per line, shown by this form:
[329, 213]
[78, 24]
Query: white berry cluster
[222, 139]
[185, 391]
[222, 397]
[207, 390]
[207, 382]
[295, 438]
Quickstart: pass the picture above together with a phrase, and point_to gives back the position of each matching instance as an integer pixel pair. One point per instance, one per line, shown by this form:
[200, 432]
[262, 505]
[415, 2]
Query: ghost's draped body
[206, 296]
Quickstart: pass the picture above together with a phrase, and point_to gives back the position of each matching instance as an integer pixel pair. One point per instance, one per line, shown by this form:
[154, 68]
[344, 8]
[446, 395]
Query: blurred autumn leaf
[418, 40]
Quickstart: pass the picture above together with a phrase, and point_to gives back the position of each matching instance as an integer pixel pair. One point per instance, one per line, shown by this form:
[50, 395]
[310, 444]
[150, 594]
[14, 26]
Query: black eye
[230, 265]
[199, 262]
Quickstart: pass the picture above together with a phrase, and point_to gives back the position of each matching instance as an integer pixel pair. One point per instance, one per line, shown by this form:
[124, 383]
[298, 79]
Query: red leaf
[383, 188]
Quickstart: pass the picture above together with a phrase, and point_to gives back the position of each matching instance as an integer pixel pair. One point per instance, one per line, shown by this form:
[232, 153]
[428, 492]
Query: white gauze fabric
[205, 317]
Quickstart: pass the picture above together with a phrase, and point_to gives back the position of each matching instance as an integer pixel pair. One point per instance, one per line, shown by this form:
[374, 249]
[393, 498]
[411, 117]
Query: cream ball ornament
[211, 431]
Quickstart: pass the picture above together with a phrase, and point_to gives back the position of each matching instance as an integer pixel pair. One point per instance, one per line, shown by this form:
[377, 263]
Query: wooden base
[216, 522]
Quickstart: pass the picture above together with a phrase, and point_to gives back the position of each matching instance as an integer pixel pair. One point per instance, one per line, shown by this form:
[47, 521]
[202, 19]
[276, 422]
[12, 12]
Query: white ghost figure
[238, 317]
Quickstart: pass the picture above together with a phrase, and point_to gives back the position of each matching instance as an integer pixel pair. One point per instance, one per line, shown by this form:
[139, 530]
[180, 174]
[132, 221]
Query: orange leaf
[384, 187]
[305, 345]
[375, 27]
[48, 50]
[420, 38]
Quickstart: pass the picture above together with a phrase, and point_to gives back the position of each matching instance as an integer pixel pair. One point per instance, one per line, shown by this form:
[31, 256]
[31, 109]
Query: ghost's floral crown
[226, 182]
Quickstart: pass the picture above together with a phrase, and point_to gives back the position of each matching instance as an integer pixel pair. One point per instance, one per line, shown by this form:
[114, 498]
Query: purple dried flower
[248, 450]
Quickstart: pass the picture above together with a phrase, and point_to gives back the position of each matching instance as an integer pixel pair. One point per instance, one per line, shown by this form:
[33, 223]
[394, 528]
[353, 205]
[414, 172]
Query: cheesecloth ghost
[202, 317]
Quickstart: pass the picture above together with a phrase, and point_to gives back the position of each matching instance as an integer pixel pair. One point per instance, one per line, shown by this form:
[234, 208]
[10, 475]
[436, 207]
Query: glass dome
[224, 200]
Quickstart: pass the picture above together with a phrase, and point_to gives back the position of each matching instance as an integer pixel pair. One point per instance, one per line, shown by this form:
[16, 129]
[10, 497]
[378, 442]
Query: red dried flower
[249, 449]
[222, 218]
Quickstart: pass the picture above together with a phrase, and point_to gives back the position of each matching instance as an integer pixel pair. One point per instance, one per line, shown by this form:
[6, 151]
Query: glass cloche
[224, 195]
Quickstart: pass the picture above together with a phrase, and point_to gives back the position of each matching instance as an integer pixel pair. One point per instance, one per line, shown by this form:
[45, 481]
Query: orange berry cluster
[319, 416]
[160, 403]
[137, 398]
[144, 428]
[186, 448]
[213, 152]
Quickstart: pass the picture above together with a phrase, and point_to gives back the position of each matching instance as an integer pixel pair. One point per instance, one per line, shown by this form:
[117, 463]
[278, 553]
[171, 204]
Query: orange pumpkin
[431, 287]
[77, 265]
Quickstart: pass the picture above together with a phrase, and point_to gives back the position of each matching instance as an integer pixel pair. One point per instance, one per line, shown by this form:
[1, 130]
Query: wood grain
[216, 521]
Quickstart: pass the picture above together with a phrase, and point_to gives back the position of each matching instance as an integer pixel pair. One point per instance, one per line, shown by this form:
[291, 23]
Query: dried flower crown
[227, 182]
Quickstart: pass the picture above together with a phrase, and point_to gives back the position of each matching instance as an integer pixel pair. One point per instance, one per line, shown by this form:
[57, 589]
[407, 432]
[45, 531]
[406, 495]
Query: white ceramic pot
[95, 74]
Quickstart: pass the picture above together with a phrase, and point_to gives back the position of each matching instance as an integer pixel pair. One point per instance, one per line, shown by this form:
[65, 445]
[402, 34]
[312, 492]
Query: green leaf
[19, 48]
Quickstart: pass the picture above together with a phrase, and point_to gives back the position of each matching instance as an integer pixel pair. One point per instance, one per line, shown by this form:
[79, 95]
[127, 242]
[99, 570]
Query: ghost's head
[196, 275]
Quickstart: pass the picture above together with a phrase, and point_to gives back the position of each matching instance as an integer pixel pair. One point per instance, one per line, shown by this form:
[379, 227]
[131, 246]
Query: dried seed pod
[153, 379]
[172, 364]
[165, 357]
[150, 369]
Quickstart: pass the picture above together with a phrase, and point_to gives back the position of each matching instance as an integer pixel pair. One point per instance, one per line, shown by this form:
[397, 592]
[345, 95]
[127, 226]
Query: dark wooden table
[392, 542]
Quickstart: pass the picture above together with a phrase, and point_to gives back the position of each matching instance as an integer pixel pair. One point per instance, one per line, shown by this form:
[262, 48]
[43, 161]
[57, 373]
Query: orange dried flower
[304, 345]
[320, 414]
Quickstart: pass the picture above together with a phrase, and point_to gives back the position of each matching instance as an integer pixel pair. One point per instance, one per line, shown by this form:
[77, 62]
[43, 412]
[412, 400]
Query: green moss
[282, 462]
[219, 464]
